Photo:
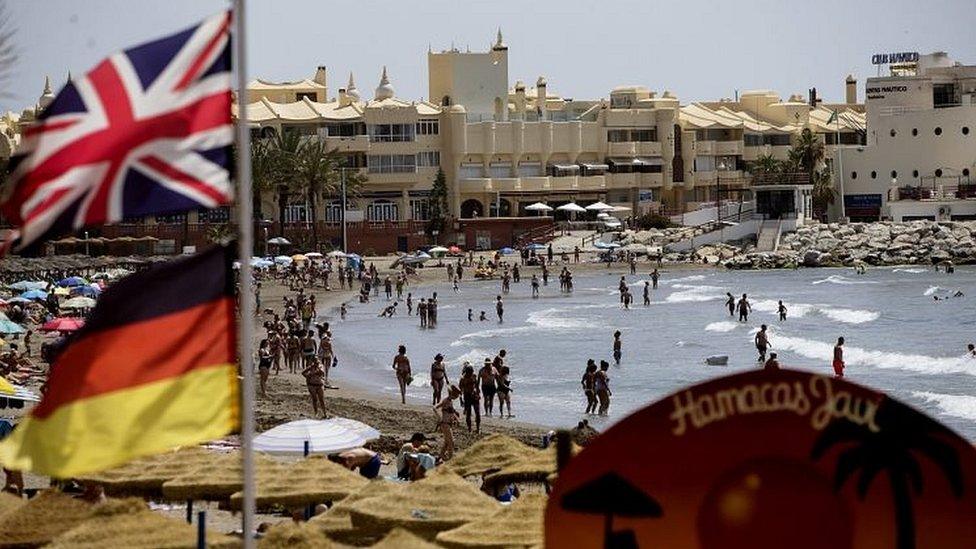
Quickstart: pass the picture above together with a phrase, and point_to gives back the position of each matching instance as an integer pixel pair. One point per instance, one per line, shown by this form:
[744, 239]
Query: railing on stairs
[541, 234]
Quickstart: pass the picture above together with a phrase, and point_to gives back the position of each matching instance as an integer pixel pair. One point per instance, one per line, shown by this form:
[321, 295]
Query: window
[893, 132]
[419, 209]
[853, 175]
[529, 169]
[914, 173]
[715, 135]
[965, 130]
[944, 95]
[500, 169]
[172, 218]
[938, 172]
[725, 163]
[382, 210]
[622, 136]
[217, 215]
[894, 174]
[618, 136]
[300, 129]
[470, 171]
[704, 163]
[938, 130]
[345, 129]
[846, 138]
[874, 174]
[333, 212]
[914, 132]
[429, 158]
[302, 95]
[391, 132]
[391, 163]
[428, 127]
[296, 213]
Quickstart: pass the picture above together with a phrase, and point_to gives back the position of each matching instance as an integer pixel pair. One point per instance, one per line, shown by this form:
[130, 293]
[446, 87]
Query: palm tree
[807, 153]
[765, 164]
[903, 436]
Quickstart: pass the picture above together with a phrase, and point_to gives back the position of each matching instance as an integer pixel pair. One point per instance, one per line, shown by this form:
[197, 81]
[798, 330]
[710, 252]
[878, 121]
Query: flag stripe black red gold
[154, 368]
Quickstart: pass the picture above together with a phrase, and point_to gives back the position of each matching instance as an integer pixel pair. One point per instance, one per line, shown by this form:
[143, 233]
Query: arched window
[446, 101]
[333, 211]
[472, 208]
[874, 174]
[938, 172]
[382, 210]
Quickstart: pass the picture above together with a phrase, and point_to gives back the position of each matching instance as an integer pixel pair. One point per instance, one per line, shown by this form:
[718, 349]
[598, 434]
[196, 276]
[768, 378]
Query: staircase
[768, 238]
[571, 239]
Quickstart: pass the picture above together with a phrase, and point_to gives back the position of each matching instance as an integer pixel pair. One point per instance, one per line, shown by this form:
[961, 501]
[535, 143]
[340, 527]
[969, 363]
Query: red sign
[769, 459]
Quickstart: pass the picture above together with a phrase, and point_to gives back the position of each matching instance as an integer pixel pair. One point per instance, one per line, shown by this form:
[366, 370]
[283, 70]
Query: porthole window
[914, 131]
[874, 174]
[965, 130]
[938, 173]
[938, 130]
[965, 172]
[894, 174]
[853, 175]
[893, 132]
[914, 173]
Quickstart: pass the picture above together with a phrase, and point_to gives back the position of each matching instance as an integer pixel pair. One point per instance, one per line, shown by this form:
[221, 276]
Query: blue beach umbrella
[72, 281]
[25, 285]
[87, 291]
[8, 326]
[536, 246]
[34, 294]
[506, 251]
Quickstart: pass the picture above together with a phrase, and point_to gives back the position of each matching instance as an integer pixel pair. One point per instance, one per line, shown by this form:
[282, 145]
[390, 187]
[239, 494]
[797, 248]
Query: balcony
[529, 184]
[355, 143]
[728, 148]
[634, 148]
[705, 148]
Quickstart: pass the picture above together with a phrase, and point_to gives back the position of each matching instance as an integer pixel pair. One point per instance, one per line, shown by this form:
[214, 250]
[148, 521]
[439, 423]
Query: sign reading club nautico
[769, 460]
[890, 58]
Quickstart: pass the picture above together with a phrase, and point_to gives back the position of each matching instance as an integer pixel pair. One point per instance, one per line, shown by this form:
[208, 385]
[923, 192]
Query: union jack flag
[147, 131]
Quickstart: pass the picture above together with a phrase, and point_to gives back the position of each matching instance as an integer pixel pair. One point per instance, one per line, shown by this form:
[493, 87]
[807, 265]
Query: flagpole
[245, 238]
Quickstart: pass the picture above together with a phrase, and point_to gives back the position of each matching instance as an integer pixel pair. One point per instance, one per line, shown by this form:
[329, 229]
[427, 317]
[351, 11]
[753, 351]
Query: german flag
[153, 368]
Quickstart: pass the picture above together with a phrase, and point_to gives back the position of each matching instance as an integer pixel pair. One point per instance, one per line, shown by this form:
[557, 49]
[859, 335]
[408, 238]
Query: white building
[921, 148]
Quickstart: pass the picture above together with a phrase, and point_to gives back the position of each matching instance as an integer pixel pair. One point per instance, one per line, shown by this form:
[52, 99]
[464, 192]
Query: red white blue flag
[146, 132]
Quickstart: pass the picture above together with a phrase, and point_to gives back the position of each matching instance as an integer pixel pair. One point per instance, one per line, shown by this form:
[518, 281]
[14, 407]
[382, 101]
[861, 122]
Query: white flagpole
[245, 238]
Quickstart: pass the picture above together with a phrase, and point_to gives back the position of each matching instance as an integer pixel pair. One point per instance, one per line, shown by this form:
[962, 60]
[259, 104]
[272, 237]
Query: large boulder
[815, 258]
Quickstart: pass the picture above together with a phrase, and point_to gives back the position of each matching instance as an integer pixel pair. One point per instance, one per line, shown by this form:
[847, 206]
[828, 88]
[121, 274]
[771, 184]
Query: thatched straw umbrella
[517, 525]
[129, 523]
[398, 538]
[311, 480]
[9, 502]
[439, 502]
[145, 477]
[42, 519]
[289, 535]
[489, 454]
[537, 466]
[219, 478]
[336, 522]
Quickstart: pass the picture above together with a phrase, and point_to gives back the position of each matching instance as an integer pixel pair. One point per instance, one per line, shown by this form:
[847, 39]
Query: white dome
[385, 89]
[351, 90]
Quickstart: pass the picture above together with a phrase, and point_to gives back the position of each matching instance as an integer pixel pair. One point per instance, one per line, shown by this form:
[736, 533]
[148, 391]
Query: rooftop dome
[351, 90]
[385, 89]
[47, 96]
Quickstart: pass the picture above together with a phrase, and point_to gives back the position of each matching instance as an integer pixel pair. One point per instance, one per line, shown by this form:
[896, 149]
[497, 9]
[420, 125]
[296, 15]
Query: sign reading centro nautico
[890, 58]
[769, 459]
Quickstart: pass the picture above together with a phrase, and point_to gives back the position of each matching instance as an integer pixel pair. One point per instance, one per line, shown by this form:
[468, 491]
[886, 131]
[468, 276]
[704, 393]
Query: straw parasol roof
[398, 538]
[489, 454]
[129, 523]
[145, 477]
[311, 480]
[42, 519]
[9, 502]
[439, 502]
[520, 524]
[219, 478]
[289, 535]
[536, 467]
[337, 523]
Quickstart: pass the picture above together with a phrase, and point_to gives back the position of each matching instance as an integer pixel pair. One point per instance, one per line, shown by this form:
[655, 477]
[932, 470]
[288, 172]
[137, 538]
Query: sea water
[900, 340]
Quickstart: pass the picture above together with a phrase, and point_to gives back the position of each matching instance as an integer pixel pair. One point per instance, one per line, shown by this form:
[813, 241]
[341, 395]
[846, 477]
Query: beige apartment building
[504, 146]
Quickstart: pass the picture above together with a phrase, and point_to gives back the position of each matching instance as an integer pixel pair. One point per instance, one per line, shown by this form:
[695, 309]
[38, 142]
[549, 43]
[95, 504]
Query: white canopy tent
[571, 207]
[599, 207]
[323, 436]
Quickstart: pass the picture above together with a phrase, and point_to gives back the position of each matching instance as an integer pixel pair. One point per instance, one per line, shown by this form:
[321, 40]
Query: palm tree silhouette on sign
[904, 434]
[609, 495]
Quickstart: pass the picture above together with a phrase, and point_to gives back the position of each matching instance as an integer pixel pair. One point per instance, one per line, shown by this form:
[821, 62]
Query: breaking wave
[841, 279]
[963, 406]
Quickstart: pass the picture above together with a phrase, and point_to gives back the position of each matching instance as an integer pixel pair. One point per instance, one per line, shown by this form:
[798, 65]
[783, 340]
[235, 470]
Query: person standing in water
[654, 278]
[647, 293]
[617, 344]
[499, 308]
[601, 384]
[469, 396]
[486, 376]
[422, 312]
[730, 303]
[588, 381]
[744, 309]
[781, 309]
[762, 343]
[438, 377]
[401, 365]
[535, 286]
[409, 304]
[839, 358]
[504, 385]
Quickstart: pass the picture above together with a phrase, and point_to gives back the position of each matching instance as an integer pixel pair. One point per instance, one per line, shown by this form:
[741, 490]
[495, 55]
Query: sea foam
[963, 406]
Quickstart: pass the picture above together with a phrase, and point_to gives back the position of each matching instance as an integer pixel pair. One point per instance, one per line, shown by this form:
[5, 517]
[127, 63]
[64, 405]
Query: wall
[501, 232]
[735, 232]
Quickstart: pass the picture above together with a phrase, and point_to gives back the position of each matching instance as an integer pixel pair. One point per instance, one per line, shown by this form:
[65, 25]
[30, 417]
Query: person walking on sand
[617, 344]
[762, 343]
[315, 381]
[588, 382]
[438, 377]
[839, 358]
[264, 365]
[468, 383]
[655, 276]
[535, 286]
[308, 348]
[781, 309]
[730, 303]
[388, 287]
[486, 376]
[647, 293]
[744, 309]
[401, 365]
[448, 416]
[499, 308]
[432, 310]
[342, 312]
[601, 384]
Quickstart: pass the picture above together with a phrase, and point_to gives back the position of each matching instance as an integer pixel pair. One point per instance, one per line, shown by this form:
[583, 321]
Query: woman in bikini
[504, 391]
[401, 364]
[438, 377]
[448, 416]
[315, 380]
[588, 386]
[264, 365]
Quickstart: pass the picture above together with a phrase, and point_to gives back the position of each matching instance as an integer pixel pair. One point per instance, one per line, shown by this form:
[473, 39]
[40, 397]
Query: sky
[699, 50]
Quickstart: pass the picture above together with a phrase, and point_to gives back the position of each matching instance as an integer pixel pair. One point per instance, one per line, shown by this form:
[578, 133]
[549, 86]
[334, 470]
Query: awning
[645, 161]
[595, 166]
[568, 167]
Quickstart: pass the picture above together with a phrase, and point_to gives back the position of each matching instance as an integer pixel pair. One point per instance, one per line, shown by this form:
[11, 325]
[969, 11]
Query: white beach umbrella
[323, 436]
[539, 207]
[313, 255]
[621, 209]
[79, 303]
[571, 207]
[283, 260]
[337, 253]
[279, 240]
[438, 250]
[599, 207]
[602, 215]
